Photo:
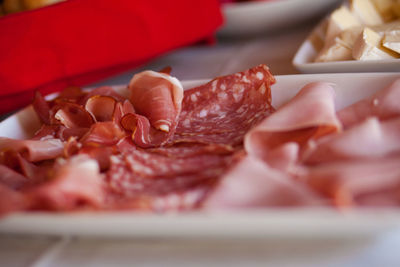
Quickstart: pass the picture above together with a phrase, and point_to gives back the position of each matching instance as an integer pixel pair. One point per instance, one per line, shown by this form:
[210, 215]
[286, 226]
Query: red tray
[80, 41]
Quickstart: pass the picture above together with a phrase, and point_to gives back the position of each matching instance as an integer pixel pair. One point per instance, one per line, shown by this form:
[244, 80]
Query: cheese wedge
[368, 47]
[349, 36]
[340, 20]
[391, 40]
[366, 12]
[384, 7]
[336, 51]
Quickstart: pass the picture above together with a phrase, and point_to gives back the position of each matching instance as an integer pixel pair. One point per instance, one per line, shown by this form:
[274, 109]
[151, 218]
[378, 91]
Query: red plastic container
[80, 41]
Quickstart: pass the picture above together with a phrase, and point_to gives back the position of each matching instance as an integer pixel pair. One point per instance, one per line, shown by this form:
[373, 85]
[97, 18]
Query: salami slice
[144, 172]
[223, 110]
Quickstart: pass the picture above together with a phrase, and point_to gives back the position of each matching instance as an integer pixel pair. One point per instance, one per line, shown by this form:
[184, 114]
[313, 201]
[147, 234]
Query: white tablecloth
[198, 62]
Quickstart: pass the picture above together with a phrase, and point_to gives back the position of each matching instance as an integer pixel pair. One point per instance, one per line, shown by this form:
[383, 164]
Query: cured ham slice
[33, 150]
[309, 115]
[41, 108]
[223, 110]
[11, 178]
[369, 139]
[102, 91]
[101, 107]
[143, 134]
[157, 96]
[252, 184]
[11, 200]
[383, 104]
[76, 183]
[73, 116]
[344, 182]
[103, 133]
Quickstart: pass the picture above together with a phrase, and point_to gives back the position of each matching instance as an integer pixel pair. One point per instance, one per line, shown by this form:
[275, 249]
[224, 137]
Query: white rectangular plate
[307, 223]
[304, 61]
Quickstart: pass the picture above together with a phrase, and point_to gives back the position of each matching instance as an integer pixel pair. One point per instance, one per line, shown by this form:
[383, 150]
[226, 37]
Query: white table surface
[198, 62]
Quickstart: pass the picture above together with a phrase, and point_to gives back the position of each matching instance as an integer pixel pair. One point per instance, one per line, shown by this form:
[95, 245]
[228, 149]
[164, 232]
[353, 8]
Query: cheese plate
[308, 51]
[359, 36]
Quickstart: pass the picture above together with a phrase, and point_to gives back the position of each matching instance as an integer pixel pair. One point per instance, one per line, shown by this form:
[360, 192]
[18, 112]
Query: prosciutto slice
[77, 182]
[309, 115]
[157, 96]
[384, 104]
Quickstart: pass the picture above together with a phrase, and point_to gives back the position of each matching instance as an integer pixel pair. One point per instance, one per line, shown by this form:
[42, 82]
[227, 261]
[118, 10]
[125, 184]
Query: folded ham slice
[33, 150]
[252, 184]
[77, 183]
[368, 139]
[11, 178]
[345, 181]
[384, 104]
[309, 115]
[11, 200]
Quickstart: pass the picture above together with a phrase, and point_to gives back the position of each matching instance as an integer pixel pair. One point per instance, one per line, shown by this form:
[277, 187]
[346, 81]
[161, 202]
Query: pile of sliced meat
[158, 148]
[217, 146]
[307, 153]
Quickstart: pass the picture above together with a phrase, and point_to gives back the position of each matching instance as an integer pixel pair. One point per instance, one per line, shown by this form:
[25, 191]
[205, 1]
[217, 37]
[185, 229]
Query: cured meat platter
[299, 222]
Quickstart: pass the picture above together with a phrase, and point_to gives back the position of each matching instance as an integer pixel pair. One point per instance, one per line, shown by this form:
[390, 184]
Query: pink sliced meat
[309, 115]
[11, 178]
[41, 108]
[157, 96]
[383, 104]
[345, 181]
[11, 200]
[157, 172]
[252, 184]
[33, 150]
[138, 182]
[369, 139]
[177, 200]
[76, 183]
[388, 198]
[153, 165]
[223, 110]
[188, 150]
[100, 154]
[121, 109]
[73, 116]
[103, 133]
[143, 134]
[102, 91]
[101, 107]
